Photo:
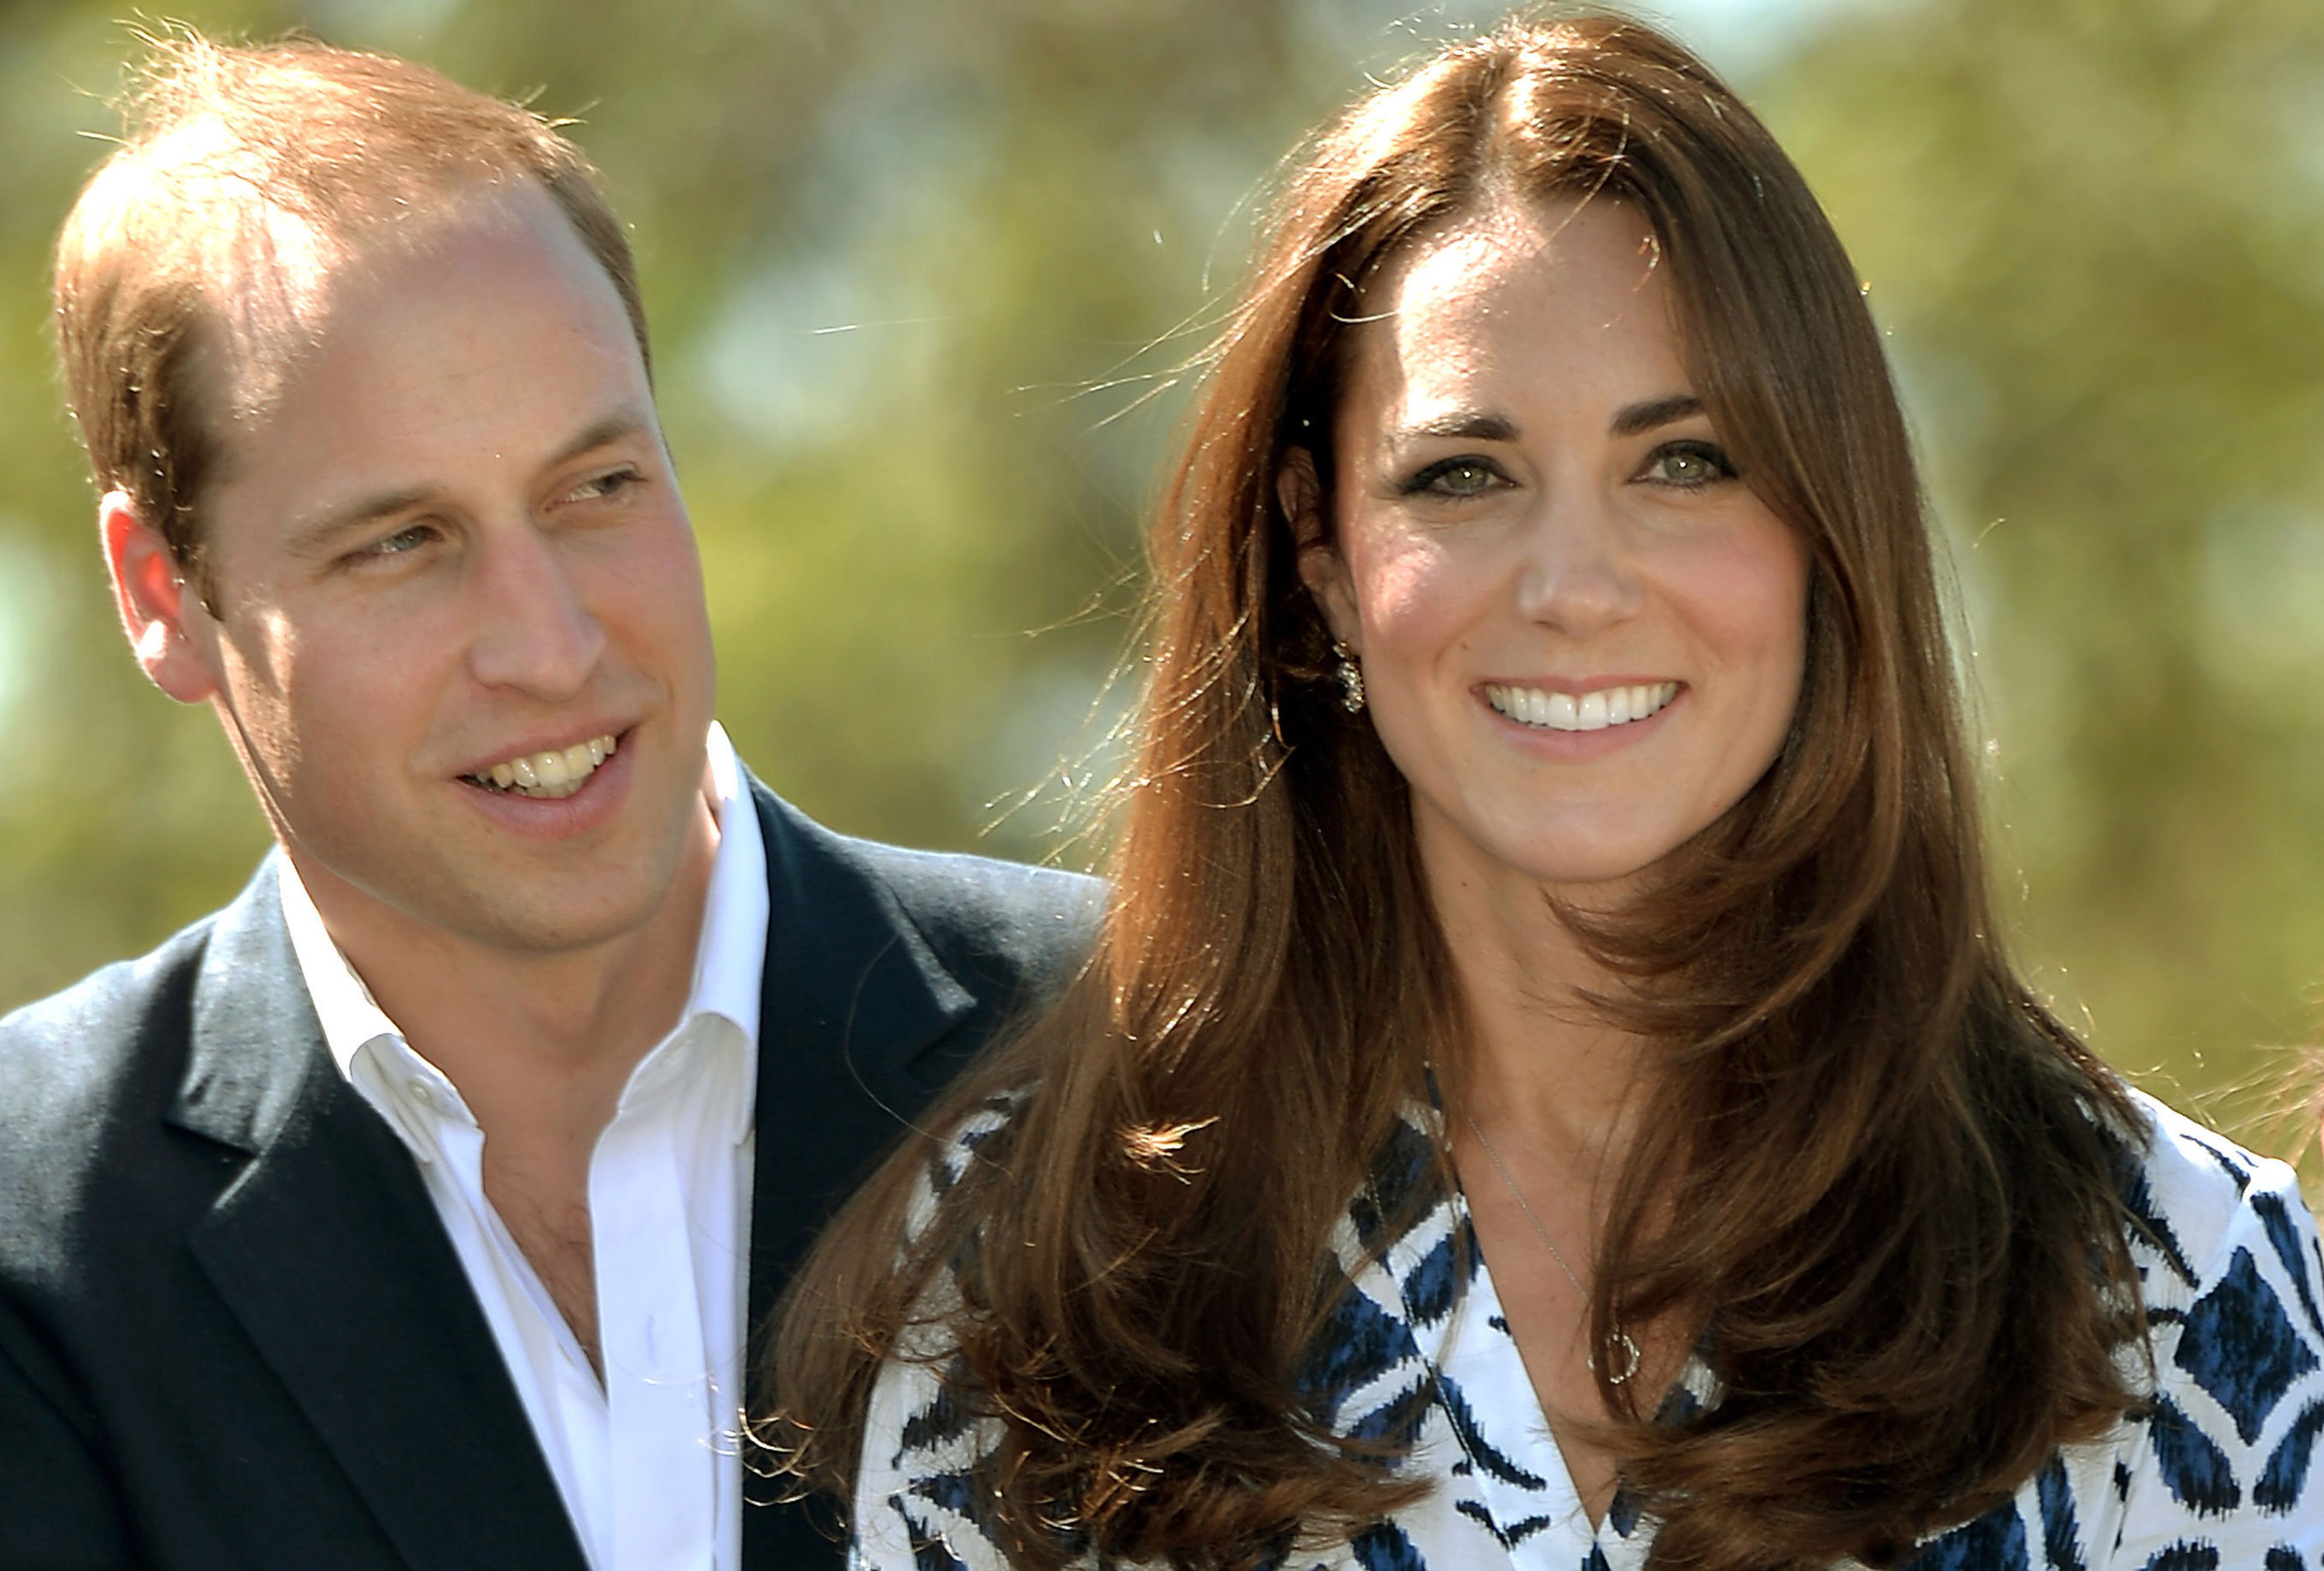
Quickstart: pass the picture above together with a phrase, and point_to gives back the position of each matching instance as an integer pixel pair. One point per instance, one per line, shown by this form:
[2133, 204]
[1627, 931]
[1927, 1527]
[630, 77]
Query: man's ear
[1321, 567]
[167, 625]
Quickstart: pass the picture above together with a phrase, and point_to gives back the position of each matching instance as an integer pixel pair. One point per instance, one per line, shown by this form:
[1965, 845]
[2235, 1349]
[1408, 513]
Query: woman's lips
[1592, 709]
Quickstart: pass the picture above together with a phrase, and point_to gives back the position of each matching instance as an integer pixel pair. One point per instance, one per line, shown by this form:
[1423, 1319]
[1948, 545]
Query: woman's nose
[1576, 574]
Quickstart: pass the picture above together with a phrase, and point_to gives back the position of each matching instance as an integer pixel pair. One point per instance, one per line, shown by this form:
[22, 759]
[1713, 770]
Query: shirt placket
[656, 1370]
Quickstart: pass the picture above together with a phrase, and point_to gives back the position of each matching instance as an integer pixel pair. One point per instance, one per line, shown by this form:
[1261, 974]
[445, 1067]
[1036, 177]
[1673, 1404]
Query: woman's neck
[1537, 1057]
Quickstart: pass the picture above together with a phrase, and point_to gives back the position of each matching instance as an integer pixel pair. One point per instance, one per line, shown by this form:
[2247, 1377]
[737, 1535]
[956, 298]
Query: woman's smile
[1584, 706]
[1581, 632]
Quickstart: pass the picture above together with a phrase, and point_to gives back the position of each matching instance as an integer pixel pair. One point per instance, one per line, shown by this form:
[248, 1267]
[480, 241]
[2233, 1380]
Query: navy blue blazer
[233, 1333]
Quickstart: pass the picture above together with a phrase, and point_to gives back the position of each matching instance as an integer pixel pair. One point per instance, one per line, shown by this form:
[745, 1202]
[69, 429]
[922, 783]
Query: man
[414, 1210]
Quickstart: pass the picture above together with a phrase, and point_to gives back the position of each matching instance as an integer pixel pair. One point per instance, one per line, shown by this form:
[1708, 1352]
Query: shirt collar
[351, 1019]
[729, 955]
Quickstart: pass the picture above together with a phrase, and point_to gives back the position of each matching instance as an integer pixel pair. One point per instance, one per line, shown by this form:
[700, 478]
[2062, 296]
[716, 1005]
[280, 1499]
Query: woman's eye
[1455, 478]
[1688, 464]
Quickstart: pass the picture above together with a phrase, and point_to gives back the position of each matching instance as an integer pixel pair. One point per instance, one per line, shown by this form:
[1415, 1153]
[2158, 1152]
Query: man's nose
[535, 630]
[1577, 575]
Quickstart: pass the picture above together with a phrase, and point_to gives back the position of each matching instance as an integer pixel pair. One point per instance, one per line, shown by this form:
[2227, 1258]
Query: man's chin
[494, 915]
[546, 922]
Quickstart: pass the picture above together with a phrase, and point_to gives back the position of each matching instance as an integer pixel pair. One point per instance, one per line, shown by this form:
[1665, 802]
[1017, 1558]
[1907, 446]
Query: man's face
[452, 545]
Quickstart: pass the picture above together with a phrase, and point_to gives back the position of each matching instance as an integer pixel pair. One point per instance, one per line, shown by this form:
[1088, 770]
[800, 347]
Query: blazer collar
[327, 1248]
[254, 1030]
[839, 945]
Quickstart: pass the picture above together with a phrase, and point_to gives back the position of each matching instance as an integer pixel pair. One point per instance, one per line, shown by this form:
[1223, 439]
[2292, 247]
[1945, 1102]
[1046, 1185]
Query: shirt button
[422, 1092]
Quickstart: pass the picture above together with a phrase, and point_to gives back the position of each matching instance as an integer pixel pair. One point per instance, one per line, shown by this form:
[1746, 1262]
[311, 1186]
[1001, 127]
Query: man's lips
[548, 772]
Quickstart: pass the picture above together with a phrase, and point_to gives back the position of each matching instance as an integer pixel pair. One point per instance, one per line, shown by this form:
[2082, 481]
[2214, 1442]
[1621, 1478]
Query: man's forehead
[279, 279]
[487, 354]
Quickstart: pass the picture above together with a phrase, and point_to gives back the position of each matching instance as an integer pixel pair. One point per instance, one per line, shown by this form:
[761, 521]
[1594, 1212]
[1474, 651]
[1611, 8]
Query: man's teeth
[1580, 711]
[549, 774]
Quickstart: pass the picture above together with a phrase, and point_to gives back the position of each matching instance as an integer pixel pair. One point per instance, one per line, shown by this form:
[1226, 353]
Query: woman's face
[1580, 633]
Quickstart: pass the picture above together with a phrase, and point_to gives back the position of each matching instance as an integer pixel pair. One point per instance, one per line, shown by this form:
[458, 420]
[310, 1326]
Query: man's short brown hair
[247, 173]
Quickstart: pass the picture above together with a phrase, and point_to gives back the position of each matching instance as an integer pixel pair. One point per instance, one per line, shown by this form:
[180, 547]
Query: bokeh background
[920, 274]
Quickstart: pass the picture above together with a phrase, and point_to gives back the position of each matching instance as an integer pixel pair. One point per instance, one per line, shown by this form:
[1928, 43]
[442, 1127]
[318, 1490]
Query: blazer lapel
[851, 996]
[328, 1249]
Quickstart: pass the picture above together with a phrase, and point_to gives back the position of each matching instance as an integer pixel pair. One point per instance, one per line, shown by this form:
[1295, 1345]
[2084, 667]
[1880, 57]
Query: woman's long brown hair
[1890, 1170]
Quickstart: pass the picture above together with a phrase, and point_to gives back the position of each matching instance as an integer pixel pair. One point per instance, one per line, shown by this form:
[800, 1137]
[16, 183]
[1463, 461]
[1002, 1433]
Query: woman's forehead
[1519, 240]
[1518, 296]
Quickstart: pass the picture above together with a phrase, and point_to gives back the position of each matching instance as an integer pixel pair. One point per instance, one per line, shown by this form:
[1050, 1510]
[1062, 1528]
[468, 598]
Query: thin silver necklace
[1617, 1341]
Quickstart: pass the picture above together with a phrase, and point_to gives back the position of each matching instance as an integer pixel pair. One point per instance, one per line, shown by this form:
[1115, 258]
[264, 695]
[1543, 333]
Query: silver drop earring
[1352, 679]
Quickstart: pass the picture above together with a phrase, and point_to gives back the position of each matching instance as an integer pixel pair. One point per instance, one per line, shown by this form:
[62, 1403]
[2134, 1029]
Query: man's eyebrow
[320, 530]
[1475, 425]
[326, 527]
[613, 428]
[1635, 419]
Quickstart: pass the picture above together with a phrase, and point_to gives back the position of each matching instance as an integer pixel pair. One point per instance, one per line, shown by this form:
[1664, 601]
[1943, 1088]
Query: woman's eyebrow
[1480, 426]
[1634, 419]
[1473, 425]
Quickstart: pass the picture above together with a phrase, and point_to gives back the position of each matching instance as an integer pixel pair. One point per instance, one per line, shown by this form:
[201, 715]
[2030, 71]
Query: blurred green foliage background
[919, 273]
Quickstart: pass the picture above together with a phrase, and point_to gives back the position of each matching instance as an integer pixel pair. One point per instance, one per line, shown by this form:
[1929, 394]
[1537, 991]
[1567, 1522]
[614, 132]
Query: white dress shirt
[647, 1461]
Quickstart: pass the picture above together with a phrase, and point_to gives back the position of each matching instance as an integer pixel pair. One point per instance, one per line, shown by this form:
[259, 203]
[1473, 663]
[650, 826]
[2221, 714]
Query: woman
[1547, 1094]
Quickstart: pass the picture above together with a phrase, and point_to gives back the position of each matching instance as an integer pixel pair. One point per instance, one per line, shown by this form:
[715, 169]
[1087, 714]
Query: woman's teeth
[548, 774]
[1580, 711]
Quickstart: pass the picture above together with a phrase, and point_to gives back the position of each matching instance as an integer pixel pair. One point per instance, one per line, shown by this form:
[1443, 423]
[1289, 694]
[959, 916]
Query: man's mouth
[546, 775]
[1590, 711]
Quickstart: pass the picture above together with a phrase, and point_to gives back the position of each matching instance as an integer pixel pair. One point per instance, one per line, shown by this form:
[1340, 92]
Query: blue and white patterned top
[2217, 1476]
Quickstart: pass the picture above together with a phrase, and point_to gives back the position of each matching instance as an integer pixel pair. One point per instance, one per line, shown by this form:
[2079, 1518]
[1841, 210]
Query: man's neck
[541, 1046]
[533, 1041]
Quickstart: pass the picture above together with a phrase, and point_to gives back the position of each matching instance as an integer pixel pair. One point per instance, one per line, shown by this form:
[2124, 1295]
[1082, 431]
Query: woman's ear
[1300, 491]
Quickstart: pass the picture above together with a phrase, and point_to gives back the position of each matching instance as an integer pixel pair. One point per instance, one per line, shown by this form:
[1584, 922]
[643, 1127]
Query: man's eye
[1455, 478]
[402, 541]
[1688, 464]
[598, 487]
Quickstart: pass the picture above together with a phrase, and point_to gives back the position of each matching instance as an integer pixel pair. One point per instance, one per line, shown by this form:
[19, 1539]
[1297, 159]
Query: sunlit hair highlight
[190, 269]
[1867, 1147]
